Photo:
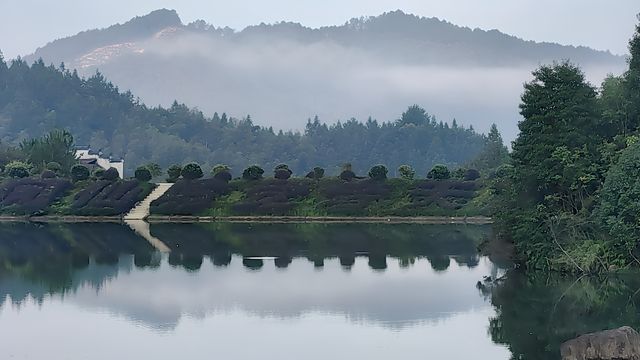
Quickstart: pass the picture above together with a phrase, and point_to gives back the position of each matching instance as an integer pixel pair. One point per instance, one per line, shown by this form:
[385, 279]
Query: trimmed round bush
[79, 172]
[471, 175]
[459, 173]
[192, 171]
[406, 172]
[253, 172]
[220, 168]
[439, 172]
[54, 166]
[98, 173]
[378, 172]
[48, 174]
[173, 173]
[347, 175]
[111, 174]
[282, 174]
[17, 169]
[143, 174]
[317, 173]
[223, 176]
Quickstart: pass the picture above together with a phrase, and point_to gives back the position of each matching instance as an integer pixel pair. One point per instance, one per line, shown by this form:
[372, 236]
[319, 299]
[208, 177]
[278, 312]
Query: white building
[92, 158]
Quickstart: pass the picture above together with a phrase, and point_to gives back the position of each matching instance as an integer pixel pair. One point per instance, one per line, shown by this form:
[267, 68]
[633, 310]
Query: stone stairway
[141, 211]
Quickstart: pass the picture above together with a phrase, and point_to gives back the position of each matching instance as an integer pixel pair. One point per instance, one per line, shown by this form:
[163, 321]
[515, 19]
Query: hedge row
[189, 197]
[30, 195]
[108, 198]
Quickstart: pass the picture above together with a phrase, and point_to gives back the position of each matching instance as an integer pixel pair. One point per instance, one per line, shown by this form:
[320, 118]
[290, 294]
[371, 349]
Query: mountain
[284, 73]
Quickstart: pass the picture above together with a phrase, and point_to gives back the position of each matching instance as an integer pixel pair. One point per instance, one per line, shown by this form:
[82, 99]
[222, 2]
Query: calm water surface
[237, 291]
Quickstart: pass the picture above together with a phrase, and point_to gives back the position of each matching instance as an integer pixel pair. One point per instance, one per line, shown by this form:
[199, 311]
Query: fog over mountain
[284, 73]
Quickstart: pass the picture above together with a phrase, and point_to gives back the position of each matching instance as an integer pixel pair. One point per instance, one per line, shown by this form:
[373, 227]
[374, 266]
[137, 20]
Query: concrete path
[141, 211]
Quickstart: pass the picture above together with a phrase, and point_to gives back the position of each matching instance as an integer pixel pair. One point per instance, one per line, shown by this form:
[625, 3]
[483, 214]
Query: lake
[312, 291]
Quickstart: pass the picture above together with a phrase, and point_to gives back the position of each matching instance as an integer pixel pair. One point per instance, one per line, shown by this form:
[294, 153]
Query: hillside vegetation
[35, 99]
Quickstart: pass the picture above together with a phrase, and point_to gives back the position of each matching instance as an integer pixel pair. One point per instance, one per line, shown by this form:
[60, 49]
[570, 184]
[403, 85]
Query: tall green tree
[493, 154]
[56, 146]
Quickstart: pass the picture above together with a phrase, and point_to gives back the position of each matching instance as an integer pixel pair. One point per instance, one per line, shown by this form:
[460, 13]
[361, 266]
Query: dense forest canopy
[569, 197]
[35, 99]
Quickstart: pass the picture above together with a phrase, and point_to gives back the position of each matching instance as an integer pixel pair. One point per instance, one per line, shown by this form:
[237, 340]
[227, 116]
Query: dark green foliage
[220, 168]
[282, 172]
[54, 166]
[439, 172]
[406, 172]
[143, 174]
[173, 173]
[458, 173]
[48, 174]
[56, 146]
[471, 175]
[223, 176]
[493, 154]
[98, 173]
[79, 172]
[108, 198]
[378, 172]
[40, 95]
[347, 175]
[111, 174]
[191, 171]
[17, 169]
[619, 207]
[352, 198]
[154, 169]
[253, 172]
[31, 196]
[317, 173]
[189, 197]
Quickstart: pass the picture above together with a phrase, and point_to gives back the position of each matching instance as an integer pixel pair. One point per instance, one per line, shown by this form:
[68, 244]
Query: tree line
[37, 98]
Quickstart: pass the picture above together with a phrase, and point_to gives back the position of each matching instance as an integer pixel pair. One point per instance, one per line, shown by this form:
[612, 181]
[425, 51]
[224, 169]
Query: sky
[600, 24]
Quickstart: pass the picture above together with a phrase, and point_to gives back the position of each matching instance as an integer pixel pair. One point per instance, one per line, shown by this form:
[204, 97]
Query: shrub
[282, 172]
[174, 172]
[223, 176]
[48, 174]
[98, 173]
[79, 172]
[439, 172]
[378, 172]
[347, 175]
[459, 173]
[154, 169]
[253, 172]
[471, 175]
[111, 174]
[317, 173]
[31, 196]
[17, 169]
[220, 168]
[406, 172]
[54, 166]
[143, 174]
[192, 171]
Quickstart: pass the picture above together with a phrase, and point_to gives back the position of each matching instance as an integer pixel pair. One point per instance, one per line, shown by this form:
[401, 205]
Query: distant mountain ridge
[408, 35]
[284, 73]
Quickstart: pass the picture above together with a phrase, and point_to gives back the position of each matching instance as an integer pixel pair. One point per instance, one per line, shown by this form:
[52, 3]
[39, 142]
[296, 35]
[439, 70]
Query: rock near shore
[617, 344]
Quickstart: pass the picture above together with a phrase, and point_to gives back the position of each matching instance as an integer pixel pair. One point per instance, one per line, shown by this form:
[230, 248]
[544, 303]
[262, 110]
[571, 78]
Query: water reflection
[392, 277]
[537, 312]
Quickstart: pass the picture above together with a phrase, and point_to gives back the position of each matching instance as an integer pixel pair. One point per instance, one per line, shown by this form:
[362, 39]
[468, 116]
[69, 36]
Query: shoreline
[155, 219]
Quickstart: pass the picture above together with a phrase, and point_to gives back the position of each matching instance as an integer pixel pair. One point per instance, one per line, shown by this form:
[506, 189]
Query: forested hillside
[35, 99]
[285, 72]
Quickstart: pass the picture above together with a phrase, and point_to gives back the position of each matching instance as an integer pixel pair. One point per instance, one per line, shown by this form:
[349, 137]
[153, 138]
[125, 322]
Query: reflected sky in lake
[151, 306]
